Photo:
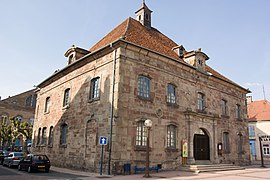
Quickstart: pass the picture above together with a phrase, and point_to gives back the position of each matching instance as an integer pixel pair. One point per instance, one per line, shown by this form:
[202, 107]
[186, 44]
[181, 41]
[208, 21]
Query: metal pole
[101, 159]
[261, 151]
[147, 155]
[111, 114]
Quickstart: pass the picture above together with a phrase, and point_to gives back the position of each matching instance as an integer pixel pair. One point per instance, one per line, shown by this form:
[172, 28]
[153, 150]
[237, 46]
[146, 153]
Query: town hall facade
[133, 74]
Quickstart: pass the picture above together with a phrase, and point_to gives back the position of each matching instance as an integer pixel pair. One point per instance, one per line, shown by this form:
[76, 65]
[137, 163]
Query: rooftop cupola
[143, 15]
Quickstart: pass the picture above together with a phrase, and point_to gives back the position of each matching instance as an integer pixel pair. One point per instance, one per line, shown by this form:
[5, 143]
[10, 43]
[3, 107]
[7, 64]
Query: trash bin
[127, 168]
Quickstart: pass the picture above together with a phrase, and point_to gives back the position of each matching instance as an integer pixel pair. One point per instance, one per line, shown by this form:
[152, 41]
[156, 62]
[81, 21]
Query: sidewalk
[251, 172]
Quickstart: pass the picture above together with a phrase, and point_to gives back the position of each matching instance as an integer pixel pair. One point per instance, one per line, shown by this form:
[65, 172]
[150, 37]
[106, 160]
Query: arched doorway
[201, 148]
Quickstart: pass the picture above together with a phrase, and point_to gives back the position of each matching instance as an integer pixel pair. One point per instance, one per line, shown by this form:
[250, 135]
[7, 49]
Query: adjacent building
[133, 74]
[259, 126]
[22, 108]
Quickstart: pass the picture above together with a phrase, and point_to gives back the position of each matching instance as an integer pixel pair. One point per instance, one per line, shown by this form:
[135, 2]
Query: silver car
[13, 159]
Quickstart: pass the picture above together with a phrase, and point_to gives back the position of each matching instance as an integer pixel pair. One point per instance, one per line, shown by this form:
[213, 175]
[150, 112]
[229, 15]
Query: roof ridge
[127, 27]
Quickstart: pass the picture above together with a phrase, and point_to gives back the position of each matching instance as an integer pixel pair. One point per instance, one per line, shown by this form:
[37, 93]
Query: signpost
[103, 140]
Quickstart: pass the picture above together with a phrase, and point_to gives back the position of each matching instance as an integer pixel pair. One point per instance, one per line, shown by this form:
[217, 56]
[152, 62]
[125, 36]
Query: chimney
[249, 99]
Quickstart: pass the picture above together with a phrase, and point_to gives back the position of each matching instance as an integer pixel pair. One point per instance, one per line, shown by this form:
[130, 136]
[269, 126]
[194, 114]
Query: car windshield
[40, 158]
[18, 154]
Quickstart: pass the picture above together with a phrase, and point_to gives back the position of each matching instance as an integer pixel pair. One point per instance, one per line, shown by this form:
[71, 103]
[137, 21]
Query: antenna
[263, 92]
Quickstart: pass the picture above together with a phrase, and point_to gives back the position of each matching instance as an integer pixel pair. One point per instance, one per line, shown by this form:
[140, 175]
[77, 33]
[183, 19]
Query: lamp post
[261, 151]
[148, 124]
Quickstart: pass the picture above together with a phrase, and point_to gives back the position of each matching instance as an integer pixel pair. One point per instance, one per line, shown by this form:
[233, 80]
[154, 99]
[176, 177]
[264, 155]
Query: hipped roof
[259, 110]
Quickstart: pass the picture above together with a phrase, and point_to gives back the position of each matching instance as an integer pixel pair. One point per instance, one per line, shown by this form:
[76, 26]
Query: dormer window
[70, 59]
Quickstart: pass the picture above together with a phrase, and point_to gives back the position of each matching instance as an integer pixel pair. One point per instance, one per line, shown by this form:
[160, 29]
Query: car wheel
[9, 165]
[29, 169]
[19, 167]
[47, 170]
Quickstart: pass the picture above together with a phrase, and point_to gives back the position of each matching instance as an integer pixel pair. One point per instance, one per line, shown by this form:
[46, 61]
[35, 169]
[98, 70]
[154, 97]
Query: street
[12, 173]
[254, 172]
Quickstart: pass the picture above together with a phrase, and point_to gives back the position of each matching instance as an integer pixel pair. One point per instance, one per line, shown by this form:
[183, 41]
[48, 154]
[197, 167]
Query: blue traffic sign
[103, 140]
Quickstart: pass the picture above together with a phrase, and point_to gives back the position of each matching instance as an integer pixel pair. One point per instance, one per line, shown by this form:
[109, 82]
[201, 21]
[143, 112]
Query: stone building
[259, 125]
[21, 107]
[132, 74]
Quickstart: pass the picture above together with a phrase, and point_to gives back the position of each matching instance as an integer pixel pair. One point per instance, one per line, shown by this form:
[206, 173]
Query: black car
[3, 154]
[34, 162]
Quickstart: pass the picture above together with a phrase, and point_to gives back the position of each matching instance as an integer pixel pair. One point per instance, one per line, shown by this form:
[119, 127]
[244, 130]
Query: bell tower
[143, 15]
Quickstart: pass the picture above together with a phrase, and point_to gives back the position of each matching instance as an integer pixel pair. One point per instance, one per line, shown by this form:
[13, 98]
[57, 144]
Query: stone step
[214, 167]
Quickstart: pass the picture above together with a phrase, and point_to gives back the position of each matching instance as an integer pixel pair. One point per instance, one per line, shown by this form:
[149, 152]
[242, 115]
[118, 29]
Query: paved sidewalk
[253, 172]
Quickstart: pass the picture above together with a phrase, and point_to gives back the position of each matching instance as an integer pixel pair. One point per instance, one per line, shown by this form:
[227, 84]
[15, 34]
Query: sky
[34, 35]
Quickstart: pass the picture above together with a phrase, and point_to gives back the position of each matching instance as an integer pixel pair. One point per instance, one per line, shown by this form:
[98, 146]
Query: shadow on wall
[73, 141]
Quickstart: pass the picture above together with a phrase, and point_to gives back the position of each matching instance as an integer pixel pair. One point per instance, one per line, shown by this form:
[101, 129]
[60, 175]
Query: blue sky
[34, 35]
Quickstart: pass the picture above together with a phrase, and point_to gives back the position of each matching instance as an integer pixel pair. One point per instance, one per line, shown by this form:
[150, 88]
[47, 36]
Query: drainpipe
[112, 108]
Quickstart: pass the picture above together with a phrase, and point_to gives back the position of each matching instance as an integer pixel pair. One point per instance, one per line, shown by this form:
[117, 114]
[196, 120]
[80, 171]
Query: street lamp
[261, 151]
[148, 125]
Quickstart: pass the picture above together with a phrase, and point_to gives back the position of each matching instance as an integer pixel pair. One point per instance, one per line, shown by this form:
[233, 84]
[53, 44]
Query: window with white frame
[224, 107]
[141, 135]
[171, 136]
[66, 97]
[94, 89]
[144, 87]
[251, 131]
[171, 97]
[266, 149]
[200, 101]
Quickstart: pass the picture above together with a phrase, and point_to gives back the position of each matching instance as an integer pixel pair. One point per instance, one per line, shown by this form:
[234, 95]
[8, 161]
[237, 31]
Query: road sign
[103, 140]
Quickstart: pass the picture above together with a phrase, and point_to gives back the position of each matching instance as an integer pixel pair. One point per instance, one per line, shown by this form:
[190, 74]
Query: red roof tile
[134, 32]
[259, 110]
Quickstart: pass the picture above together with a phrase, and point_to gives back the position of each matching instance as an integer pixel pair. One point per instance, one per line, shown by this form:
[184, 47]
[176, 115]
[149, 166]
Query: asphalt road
[13, 174]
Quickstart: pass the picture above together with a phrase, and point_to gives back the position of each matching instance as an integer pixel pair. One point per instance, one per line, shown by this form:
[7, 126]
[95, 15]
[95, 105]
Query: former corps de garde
[132, 74]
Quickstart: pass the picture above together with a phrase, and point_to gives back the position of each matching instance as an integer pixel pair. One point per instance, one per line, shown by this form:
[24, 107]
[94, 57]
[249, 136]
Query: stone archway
[201, 147]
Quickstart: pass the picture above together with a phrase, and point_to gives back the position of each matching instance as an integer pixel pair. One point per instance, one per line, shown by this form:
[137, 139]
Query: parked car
[13, 159]
[3, 154]
[34, 162]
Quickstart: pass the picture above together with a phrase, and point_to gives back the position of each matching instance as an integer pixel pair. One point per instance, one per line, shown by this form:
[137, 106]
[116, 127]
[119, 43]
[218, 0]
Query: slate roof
[134, 32]
[259, 110]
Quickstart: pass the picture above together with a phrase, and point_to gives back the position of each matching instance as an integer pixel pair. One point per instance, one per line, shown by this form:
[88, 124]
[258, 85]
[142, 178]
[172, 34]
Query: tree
[23, 129]
[5, 135]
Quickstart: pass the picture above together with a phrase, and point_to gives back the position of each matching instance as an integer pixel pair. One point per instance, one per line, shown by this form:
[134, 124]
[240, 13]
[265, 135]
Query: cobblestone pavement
[253, 172]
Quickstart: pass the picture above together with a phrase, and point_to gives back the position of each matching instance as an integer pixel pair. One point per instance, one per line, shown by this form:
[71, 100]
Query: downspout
[112, 108]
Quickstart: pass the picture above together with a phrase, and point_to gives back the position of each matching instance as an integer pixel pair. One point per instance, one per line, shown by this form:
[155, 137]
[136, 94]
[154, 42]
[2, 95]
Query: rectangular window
[171, 98]
[200, 103]
[266, 149]
[94, 89]
[144, 87]
[226, 142]
[44, 137]
[251, 131]
[141, 135]
[38, 136]
[66, 97]
[238, 112]
[63, 134]
[224, 107]
[47, 105]
[240, 143]
[50, 141]
[171, 136]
